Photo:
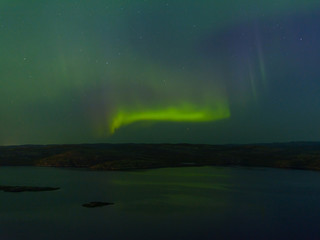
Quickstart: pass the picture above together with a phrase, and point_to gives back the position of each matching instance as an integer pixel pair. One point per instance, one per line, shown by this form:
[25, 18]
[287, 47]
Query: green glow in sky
[185, 113]
[79, 71]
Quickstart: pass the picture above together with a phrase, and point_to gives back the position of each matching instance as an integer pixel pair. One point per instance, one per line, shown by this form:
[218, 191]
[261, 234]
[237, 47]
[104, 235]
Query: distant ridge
[129, 156]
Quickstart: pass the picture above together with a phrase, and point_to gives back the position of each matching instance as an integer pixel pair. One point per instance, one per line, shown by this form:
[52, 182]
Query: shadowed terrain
[299, 155]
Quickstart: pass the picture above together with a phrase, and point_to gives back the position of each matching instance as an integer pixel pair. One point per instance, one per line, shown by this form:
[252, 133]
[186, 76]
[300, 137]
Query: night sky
[153, 71]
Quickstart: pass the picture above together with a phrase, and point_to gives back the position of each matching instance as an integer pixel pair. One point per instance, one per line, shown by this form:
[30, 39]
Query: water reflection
[170, 190]
[177, 203]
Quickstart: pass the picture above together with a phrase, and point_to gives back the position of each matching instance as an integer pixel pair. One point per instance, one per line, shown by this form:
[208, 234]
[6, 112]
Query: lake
[169, 203]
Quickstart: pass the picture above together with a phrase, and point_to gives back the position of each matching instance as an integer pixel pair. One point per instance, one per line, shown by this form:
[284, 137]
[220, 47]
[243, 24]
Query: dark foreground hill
[143, 156]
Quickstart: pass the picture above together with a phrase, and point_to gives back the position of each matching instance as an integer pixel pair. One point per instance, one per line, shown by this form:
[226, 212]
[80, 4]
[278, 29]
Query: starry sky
[155, 71]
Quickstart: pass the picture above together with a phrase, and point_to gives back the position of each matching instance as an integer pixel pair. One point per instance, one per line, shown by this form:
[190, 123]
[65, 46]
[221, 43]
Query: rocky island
[96, 204]
[26, 189]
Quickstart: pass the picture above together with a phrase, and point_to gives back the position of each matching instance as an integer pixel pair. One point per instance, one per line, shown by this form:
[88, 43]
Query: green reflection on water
[173, 184]
[175, 190]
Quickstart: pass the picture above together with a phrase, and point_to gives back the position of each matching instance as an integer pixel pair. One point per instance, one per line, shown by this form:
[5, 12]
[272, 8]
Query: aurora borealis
[159, 71]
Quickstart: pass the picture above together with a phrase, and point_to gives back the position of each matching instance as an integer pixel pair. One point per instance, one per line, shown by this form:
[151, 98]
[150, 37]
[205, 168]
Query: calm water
[175, 203]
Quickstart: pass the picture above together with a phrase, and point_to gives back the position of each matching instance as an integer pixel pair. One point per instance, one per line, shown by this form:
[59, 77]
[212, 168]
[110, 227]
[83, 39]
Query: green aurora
[187, 113]
[158, 71]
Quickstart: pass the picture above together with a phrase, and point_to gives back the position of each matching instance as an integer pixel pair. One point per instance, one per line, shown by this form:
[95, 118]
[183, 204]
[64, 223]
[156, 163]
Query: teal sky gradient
[71, 69]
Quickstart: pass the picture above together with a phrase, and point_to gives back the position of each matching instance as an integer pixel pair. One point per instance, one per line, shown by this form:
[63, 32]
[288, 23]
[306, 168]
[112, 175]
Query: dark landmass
[96, 204]
[296, 155]
[26, 189]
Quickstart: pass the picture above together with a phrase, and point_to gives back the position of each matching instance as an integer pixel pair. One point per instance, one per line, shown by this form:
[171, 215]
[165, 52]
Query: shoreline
[126, 157]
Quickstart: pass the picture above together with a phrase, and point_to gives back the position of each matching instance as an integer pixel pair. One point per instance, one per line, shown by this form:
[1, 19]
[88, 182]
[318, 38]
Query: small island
[96, 204]
[26, 189]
